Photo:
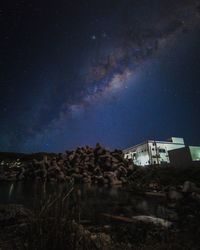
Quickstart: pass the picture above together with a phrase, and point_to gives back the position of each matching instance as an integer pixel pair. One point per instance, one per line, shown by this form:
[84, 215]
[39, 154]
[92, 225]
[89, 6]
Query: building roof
[154, 141]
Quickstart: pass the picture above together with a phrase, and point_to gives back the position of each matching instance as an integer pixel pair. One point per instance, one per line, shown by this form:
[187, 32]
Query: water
[93, 200]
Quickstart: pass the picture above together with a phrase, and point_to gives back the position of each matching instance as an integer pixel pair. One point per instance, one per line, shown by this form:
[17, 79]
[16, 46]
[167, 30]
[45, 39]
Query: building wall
[177, 140]
[139, 154]
[185, 156]
[180, 157]
[159, 151]
[195, 153]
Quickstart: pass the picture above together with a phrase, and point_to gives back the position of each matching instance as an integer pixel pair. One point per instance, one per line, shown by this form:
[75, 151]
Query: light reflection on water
[94, 200]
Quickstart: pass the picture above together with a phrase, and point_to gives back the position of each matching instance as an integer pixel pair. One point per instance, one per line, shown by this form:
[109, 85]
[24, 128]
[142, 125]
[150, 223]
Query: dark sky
[75, 72]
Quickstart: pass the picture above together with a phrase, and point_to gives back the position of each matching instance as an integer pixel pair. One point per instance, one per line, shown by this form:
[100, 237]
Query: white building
[153, 152]
[185, 156]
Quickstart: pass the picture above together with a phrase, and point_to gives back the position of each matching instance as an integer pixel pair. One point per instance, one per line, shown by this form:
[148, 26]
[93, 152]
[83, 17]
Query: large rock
[190, 187]
[174, 195]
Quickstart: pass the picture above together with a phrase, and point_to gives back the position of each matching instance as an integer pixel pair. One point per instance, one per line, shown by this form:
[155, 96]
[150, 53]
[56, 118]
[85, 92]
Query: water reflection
[10, 190]
[90, 200]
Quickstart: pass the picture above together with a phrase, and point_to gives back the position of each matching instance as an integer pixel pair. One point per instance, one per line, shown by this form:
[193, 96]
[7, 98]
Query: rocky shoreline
[53, 226]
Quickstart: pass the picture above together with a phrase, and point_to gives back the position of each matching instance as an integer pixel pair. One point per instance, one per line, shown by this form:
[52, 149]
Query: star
[93, 37]
[5, 109]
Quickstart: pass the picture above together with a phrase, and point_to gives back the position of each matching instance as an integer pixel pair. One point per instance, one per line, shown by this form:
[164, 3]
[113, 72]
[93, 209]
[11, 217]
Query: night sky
[118, 72]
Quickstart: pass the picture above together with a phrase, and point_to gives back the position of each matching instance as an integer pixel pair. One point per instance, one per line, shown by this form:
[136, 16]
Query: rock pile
[187, 190]
[84, 165]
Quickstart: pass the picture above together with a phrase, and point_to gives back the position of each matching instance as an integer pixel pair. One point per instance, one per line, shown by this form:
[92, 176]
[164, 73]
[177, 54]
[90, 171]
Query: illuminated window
[162, 150]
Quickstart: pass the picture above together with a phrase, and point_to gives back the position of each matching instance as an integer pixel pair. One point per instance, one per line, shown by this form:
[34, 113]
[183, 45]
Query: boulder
[174, 195]
[190, 187]
[196, 196]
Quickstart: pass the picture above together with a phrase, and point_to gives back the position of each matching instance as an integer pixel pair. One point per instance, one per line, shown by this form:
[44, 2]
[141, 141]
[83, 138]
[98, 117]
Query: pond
[93, 200]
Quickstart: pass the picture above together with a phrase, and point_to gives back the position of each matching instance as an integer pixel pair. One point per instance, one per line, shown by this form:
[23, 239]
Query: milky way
[109, 70]
[109, 49]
